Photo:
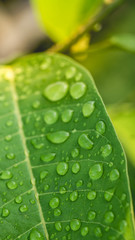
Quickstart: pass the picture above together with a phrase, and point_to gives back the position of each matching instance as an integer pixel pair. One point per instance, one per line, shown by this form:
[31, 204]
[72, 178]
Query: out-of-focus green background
[107, 49]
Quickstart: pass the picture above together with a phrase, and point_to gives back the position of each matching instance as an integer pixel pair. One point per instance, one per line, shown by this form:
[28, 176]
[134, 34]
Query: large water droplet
[70, 72]
[73, 196]
[54, 202]
[109, 217]
[5, 212]
[58, 137]
[91, 215]
[98, 232]
[10, 156]
[57, 212]
[109, 194]
[18, 199]
[114, 175]
[5, 175]
[12, 184]
[35, 235]
[56, 91]
[84, 231]
[91, 195]
[58, 226]
[51, 117]
[75, 152]
[67, 115]
[77, 90]
[62, 168]
[43, 174]
[85, 142]
[96, 171]
[106, 150]
[88, 108]
[76, 168]
[100, 127]
[75, 224]
[23, 208]
[48, 157]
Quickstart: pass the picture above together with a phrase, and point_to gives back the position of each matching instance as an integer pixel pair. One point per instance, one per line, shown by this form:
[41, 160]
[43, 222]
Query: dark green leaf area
[69, 179]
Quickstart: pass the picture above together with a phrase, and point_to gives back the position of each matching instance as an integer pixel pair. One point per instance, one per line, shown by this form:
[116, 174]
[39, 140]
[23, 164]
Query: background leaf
[56, 133]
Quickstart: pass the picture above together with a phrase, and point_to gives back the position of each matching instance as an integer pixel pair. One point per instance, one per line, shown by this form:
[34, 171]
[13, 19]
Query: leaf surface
[63, 171]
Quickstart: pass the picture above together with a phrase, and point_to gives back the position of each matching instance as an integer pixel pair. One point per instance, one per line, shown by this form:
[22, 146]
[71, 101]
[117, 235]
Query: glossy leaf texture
[63, 170]
[60, 19]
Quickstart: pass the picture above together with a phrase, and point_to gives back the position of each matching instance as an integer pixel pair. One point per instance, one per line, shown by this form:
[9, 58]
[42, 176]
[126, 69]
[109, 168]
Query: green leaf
[125, 41]
[61, 177]
[62, 18]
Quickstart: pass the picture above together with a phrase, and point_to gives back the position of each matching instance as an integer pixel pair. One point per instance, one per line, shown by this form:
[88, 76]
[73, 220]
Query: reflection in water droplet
[10, 156]
[62, 168]
[114, 175]
[106, 150]
[100, 127]
[109, 217]
[5, 212]
[96, 171]
[58, 226]
[12, 185]
[5, 175]
[109, 194]
[35, 235]
[75, 224]
[85, 142]
[67, 115]
[23, 208]
[48, 157]
[73, 196]
[91, 215]
[88, 108]
[75, 152]
[77, 90]
[91, 195]
[51, 117]
[18, 199]
[62, 190]
[54, 202]
[84, 231]
[58, 137]
[56, 91]
[76, 168]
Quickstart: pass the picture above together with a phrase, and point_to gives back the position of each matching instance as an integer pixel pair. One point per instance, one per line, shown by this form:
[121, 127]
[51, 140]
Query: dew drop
[106, 150]
[91, 215]
[32, 201]
[76, 168]
[58, 137]
[5, 212]
[57, 212]
[62, 190]
[8, 138]
[100, 127]
[48, 157]
[35, 235]
[12, 184]
[109, 217]
[88, 108]
[98, 232]
[5, 175]
[70, 72]
[108, 195]
[67, 228]
[62, 168]
[67, 115]
[75, 224]
[18, 199]
[23, 208]
[51, 117]
[122, 226]
[56, 91]
[37, 145]
[114, 175]
[58, 226]
[54, 202]
[73, 196]
[79, 183]
[84, 231]
[85, 142]
[96, 171]
[75, 152]
[46, 187]
[10, 156]
[77, 90]
[43, 174]
[91, 195]
[36, 104]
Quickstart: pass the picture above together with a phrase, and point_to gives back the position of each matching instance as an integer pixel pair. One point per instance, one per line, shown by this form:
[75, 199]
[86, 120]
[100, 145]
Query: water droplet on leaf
[62, 168]
[73, 196]
[51, 117]
[5, 175]
[91, 195]
[75, 224]
[54, 202]
[85, 142]
[56, 91]
[100, 127]
[114, 175]
[48, 157]
[76, 168]
[96, 171]
[58, 137]
[77, 90]
[67, 115]
[88, 108]
[106, 150]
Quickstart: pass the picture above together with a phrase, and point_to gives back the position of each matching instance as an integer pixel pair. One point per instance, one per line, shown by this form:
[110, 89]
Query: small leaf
[59, 179]
[125, 41]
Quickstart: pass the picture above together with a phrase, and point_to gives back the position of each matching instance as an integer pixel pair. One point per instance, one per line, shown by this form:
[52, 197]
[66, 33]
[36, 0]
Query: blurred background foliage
[100, 34]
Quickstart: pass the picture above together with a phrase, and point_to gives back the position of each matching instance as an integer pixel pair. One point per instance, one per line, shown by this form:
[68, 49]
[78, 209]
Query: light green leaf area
[125, 41]
[61, 18]
[63, 171]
